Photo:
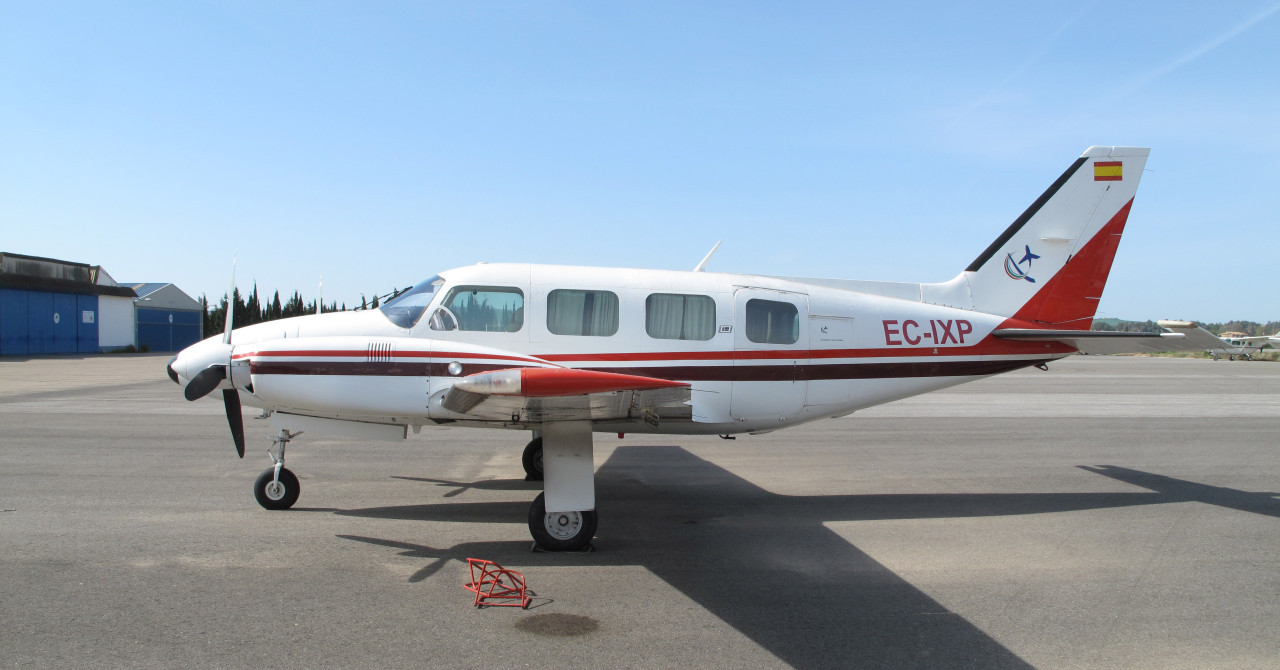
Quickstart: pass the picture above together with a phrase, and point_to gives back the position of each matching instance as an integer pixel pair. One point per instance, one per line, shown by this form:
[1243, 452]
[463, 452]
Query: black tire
[563, 531]
[277, 499]
[532, 460]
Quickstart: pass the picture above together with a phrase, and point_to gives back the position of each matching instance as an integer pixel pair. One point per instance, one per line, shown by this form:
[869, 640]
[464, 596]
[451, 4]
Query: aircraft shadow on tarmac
[765, 564]
[1181, 490]
[481, 485]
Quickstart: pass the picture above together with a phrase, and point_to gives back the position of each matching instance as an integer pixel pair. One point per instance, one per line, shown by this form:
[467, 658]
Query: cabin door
[771, 341]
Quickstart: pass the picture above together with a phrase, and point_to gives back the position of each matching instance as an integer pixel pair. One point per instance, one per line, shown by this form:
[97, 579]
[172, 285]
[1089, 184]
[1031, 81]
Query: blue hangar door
[39, 322]
[167, 329]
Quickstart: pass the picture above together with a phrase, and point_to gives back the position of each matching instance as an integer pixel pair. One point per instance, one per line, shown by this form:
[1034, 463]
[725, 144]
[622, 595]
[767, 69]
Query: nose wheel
[276, 492]
[277, 487]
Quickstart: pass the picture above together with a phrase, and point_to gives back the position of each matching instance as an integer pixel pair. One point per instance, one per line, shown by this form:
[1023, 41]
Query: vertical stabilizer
[1049, 266]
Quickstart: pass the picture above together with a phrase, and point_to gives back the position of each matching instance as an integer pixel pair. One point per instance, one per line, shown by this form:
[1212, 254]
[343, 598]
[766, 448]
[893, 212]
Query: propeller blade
[231, 306]
[205, 381]
[231, 399]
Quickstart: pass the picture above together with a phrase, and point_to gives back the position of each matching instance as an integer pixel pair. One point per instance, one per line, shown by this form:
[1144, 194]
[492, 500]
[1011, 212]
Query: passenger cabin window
[671, 316]
[772, 322]
[492, 309]
[592, 313]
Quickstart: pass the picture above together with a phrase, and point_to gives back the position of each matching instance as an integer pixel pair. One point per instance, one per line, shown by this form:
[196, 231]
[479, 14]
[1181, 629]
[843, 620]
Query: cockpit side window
[405, 309]
[493, 309]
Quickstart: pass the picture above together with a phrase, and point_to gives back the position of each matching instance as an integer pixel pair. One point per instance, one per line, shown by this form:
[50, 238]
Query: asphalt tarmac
[1111, 512]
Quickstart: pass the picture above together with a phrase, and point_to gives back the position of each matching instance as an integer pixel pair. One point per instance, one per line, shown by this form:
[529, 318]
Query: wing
[536, 395]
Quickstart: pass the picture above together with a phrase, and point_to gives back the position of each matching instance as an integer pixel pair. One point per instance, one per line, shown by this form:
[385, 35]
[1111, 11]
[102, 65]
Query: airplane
[1240, 344]
[1229, 344]
[565, 352]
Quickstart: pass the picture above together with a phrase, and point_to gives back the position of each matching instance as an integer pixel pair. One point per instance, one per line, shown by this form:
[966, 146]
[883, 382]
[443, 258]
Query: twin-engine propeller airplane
[568, 351]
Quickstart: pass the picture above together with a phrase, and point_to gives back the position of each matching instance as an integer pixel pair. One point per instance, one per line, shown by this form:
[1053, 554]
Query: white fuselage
[759, 353]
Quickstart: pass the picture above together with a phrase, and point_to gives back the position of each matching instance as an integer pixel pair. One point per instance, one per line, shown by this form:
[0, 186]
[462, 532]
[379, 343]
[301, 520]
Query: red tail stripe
[1071, 297]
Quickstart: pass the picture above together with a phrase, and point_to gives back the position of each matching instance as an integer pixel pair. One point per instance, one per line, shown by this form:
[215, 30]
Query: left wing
[536, 395]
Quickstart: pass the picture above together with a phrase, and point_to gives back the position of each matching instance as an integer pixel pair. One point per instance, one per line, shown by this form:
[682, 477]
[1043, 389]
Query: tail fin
[1051, 264]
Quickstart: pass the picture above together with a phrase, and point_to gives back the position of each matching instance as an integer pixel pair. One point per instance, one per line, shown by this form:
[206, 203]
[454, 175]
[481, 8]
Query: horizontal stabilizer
[1198, 339]
[1099, 341]
[1181, 336]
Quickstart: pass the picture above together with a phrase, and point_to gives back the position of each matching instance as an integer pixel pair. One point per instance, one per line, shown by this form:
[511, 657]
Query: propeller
[231, 400]
[205, 381]
[217, 357]
[231, 397]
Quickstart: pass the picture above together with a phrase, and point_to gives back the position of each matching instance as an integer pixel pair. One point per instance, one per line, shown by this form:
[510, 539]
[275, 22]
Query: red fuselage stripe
[989, 346]
[364, 353]
[695, 373]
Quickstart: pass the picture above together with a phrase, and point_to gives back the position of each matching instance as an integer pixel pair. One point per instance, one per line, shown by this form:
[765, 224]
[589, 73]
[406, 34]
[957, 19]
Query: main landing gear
[532, 459]
[567, 524]
[560, 531]
[562, 517]
[277, 487]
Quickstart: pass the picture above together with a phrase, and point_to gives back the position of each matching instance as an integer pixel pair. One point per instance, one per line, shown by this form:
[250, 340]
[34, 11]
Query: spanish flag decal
[1108, 171]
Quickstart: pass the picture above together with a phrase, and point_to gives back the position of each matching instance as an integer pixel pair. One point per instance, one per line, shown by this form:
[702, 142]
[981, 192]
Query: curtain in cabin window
[680, 317]
[772, 322]
[590, 313]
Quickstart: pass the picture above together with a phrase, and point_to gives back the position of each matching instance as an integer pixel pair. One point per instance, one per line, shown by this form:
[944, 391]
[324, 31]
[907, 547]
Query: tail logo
[1015, 269]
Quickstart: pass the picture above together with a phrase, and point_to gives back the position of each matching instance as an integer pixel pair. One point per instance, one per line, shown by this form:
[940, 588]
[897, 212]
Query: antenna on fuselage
[320, 299]
[707, 259]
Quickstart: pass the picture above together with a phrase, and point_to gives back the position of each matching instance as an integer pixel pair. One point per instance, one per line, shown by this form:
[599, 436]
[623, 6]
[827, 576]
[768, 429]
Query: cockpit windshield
[405, 309]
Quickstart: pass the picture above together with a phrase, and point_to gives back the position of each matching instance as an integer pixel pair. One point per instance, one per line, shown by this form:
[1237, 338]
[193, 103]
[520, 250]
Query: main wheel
[532, 460]
[276, 495]
[561, 531]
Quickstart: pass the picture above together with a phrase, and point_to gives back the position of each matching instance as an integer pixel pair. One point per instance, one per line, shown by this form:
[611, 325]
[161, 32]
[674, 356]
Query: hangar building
[49, 306]
[168, 319]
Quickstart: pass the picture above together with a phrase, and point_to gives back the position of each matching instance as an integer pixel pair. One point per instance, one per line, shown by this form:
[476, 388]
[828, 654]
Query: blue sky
[378, 143]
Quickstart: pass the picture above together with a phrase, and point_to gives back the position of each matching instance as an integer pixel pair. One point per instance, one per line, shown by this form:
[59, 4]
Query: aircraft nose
[173, 374]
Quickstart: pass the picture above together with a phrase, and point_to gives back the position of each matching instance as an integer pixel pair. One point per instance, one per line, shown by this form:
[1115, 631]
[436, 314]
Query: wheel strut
[283, 441]
[277, 488]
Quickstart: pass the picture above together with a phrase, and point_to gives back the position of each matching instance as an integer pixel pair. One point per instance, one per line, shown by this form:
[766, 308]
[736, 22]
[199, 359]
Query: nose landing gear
[277, 487]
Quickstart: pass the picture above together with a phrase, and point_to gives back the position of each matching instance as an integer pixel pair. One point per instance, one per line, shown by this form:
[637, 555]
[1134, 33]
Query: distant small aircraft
[1239, 344]
[567, 351]
[1229, 344]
